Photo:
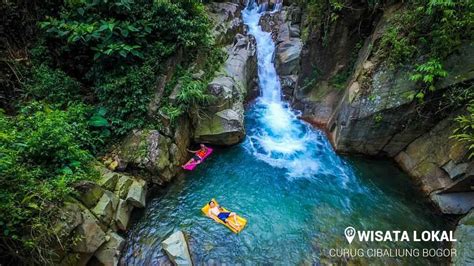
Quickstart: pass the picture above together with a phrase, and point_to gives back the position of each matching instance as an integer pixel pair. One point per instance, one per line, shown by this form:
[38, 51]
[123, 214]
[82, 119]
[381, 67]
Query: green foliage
[400, 47]
[100, 124]
[116, 47]
[192, 94]
[52, 85]
[43, 151]
[465, 128]
[173, 112]
[126, 98]
[427, 74]
[193, 91]
[427, 27]
[102, 34]
[108, 53]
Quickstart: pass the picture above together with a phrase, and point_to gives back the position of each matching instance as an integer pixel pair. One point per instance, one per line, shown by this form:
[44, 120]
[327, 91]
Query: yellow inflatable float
[242, 221]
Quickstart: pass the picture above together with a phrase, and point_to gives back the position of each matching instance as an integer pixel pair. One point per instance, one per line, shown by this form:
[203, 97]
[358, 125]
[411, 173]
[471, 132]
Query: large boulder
[68, 219]
[464, 245]
[123, 185]
[181, 139]
[222, 121]
[377, 116]
[177, 250]
[227, 21]
[225, 127]
[148, 150]
[427, 156]
[288, 56]
[454, 203]
[89, 234]
[108, 179]
[109, 253]
[137, 193]
[106, 207]
[89, 193]
[122, 216]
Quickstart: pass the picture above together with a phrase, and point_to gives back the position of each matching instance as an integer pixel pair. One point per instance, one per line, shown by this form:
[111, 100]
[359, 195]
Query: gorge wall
[331, 73]
[341, 84]
[369, 113]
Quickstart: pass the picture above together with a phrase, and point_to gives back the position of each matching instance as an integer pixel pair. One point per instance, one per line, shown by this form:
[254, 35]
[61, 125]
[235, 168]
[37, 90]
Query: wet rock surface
[464, 245]
[222, 122]
[177, 250]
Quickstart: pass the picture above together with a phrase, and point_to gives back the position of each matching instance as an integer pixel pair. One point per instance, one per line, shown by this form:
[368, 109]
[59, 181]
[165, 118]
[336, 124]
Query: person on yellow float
[216, 212]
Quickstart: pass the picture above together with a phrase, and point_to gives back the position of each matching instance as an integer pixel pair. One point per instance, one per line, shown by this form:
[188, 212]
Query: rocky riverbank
[367, 113]
[97, 218]
[339, 82]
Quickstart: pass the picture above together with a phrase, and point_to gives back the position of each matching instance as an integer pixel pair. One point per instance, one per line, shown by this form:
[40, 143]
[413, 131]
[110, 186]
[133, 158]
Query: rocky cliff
[222, 121]
[345, 87]
[342, 84]
[93, 222]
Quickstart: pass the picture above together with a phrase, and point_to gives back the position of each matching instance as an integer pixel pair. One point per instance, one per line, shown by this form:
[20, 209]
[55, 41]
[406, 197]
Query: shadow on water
[296, 192]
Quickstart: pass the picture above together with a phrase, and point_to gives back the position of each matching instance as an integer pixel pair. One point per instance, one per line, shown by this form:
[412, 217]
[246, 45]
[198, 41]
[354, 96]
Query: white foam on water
[280, 138]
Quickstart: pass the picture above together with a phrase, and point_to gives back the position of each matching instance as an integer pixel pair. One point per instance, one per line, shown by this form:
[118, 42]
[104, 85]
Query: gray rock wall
[464, 245]
[90, 224]
[222, 121]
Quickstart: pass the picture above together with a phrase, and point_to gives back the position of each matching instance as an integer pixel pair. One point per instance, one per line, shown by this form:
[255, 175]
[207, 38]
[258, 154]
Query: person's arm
[192, 151]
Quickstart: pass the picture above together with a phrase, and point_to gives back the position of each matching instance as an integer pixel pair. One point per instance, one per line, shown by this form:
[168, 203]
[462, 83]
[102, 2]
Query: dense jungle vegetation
[77, 74]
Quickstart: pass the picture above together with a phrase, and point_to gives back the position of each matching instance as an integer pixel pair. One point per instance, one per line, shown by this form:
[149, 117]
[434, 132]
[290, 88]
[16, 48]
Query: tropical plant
[43, 151]
[427, 74]
[52, 85]
[430, 28]
[114, 32]
[465, 128]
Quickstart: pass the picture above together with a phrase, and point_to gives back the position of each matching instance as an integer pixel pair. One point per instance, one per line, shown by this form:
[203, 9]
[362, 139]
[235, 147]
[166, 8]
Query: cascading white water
[292, 220]
[279, 137]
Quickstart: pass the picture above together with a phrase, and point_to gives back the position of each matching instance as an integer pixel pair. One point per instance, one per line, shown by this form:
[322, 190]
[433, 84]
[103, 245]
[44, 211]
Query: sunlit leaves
[465, 129]
[124, 29]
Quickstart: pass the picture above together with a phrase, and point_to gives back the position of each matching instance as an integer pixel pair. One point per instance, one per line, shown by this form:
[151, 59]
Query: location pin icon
[349, 232]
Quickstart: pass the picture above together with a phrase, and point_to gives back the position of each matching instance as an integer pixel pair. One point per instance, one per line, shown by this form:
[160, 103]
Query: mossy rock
[108, 180]
[89, 193]
[468, 219]
[123, 184]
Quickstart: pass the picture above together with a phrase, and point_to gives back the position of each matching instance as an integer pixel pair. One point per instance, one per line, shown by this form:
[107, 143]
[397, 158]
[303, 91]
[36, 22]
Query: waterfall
[278, 5]
[279, 137]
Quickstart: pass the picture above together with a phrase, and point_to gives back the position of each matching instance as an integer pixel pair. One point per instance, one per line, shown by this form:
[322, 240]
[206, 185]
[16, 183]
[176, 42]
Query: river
[296, 192]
